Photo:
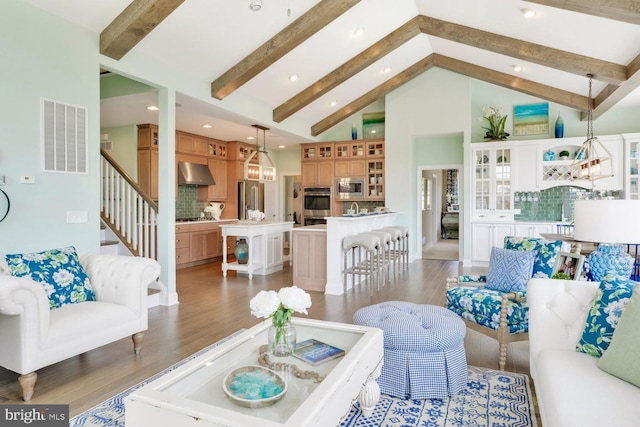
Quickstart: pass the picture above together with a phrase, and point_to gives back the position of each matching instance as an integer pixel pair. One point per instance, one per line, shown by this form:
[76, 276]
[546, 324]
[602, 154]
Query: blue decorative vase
[549, 156]
[241, 251]
[610, 259]
[559, 130]
[354, 133]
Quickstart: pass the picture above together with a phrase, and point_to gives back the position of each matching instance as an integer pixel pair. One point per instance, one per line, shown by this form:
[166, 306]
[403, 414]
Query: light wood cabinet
[316, 174]
[309, 267]
[318, 151]
[197, 242]
[375, 179]
[183, 244]
[375, 148]
[191, 144]
[148, 159]
[350, 168]
[218, 169]
[350, 149]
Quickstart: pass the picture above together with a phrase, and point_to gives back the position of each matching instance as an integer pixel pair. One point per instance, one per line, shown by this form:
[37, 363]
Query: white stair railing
[127, 210]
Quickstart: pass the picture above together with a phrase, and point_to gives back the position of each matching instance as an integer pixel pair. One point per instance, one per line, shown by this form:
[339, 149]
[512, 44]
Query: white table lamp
[610, 223]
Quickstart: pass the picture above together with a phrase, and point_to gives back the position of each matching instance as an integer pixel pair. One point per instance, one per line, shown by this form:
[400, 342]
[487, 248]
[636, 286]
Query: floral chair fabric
[500, 315]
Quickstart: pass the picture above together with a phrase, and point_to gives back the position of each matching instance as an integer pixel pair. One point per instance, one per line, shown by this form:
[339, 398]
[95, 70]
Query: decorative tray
[254, 386]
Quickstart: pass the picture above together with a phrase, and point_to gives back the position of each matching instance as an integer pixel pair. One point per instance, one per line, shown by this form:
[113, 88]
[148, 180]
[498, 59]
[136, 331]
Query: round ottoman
[424, 354]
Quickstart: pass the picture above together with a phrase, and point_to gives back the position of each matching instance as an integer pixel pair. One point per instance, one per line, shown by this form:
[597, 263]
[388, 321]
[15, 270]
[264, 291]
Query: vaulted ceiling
[250, 55]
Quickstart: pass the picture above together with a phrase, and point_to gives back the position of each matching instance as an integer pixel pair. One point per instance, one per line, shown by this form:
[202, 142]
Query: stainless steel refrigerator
[250, 197]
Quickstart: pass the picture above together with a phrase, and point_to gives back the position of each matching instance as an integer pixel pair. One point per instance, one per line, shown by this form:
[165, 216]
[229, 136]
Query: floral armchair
[495, 304]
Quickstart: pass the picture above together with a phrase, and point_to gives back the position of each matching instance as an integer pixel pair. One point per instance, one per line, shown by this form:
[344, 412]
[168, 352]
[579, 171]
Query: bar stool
[403, 244]
[365, 250]
[384, 258]
[395, 255]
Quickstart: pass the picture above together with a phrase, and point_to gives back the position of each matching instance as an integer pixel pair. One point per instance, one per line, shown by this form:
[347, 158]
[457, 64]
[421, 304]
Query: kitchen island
[339, 227]
[310, 264]
[265, 240]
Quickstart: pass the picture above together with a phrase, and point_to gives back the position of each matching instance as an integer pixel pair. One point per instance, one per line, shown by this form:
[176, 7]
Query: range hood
[194, 174]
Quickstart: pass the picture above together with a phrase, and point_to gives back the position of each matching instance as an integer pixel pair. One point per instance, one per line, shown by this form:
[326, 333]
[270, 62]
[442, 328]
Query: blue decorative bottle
[559, 130]
[354, 133]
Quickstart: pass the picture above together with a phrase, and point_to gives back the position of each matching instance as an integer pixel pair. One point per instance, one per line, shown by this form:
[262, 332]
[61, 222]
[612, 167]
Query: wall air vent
[106, 145]
[64, 137]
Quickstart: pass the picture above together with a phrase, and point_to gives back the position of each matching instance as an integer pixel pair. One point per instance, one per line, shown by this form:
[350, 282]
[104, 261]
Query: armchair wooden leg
[27, 384]
[137, 342]
[502, 356]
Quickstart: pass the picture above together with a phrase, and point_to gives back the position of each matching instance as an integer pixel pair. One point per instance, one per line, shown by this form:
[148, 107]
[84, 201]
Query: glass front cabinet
[492, 183]
[631, 145]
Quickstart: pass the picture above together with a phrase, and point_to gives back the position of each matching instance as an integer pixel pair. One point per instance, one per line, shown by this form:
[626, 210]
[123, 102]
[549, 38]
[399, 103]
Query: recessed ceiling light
[255, 5]
[358, 32]
[152, 108]
[251, 137]
[207, 126]
[528, 13]
[373, 131]
[293, 77]
[517, 68]
[333, 103]
[386, 70]
[281, 146]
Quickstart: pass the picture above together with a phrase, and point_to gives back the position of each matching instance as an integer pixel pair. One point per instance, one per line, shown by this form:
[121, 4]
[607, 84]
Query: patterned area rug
[492, 399]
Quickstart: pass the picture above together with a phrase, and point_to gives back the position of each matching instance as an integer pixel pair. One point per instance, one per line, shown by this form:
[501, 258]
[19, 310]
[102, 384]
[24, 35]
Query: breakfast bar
[340, 227]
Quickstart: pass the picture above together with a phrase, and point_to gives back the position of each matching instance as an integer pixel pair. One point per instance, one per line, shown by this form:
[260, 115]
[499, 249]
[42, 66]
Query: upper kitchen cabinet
[317, 174]
[318, 151]
[350, 159]
[188, 143]
[218, 169]
[375, 147]
[148, 159]
[492, 186]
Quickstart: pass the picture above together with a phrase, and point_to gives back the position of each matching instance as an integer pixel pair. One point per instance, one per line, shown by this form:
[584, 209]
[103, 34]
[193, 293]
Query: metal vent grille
[106, 145]
[64, 137]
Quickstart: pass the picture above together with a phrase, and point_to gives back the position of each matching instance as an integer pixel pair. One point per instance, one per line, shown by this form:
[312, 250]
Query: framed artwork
[372, 125]
[531, 119]
[569, 264]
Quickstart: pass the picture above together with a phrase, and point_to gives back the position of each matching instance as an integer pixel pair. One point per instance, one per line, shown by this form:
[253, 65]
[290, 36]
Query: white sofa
[571, 390]
[33, 336]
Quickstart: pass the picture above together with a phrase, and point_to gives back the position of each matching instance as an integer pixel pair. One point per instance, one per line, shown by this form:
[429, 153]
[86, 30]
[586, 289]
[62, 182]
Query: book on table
[316, 352]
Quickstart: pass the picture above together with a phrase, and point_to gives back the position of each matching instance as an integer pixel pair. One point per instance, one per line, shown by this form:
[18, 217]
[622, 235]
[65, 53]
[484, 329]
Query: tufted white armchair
[33, 336]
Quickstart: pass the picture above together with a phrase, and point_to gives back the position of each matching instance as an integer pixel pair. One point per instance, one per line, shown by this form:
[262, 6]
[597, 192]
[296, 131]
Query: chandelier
[259, 166]
[593, 160]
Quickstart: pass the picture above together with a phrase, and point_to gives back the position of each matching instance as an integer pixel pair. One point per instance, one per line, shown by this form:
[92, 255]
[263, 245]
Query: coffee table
[192, 394]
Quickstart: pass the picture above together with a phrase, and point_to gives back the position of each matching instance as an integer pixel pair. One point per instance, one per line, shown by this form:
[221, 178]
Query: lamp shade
[607, 221]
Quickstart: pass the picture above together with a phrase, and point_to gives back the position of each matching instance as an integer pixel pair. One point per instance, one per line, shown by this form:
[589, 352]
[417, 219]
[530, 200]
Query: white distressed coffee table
[192, 394]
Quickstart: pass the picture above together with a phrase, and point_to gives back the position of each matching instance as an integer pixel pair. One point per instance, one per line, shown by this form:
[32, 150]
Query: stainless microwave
[350, 188]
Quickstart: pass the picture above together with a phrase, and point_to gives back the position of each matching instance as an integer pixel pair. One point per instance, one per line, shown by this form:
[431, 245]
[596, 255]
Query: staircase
[129, 214]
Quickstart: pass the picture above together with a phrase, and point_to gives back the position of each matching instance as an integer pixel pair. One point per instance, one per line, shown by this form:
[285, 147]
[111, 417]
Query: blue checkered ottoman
[423, 349]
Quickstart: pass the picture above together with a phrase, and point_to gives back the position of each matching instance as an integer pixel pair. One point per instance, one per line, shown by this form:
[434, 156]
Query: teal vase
[241, 251]
[559, 130]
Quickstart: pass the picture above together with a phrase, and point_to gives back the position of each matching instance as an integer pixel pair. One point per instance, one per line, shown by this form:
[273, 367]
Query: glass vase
[241, 251]
[559, 127]
[282, 339]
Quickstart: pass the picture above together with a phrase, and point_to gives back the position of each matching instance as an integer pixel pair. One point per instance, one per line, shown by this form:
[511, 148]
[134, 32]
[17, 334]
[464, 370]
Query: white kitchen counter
[265, 242]
[339, 227]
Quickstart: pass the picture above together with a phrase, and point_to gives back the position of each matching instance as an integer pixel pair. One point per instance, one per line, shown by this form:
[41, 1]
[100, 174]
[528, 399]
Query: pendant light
[593, 160]
[259, 166]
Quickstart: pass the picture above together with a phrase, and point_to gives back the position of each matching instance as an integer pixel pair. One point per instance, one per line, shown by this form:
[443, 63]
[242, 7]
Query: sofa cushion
[609, 302]
[621, 358]
[482, 306]
[510, 270]
[58, 270]
[545, 258]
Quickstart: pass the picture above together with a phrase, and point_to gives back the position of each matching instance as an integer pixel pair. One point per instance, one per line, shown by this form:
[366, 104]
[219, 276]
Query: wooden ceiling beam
[554, 58]
[347, 70]
[371, 96]
[618, 10]
[612, 94]
[508, 81]
[279, 45]
[133, 24]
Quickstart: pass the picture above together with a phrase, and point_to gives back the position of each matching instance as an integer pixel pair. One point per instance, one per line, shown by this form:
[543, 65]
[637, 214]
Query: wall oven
[317, 205]
[350, 188]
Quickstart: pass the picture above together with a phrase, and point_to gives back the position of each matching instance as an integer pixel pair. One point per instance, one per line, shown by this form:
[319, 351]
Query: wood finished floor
[211, 308]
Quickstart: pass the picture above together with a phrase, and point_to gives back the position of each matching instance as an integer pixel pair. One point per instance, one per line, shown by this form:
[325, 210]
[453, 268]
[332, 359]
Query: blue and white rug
[491, 399]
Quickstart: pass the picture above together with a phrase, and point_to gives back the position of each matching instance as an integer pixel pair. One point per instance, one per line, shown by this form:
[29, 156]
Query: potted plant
[564, 155]
[497, 120]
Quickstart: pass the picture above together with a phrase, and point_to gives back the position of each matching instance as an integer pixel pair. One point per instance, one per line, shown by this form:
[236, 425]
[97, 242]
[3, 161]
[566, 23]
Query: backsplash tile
[188, 205]
[547, 205]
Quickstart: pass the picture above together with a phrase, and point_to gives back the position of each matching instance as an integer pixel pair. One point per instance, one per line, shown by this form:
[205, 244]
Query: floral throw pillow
[60, 273]
[611, 299]
[547, 253]
[509, 271]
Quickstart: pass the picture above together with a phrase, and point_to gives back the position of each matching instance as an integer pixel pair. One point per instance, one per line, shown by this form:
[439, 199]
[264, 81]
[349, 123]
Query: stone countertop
[316, 227]
[204, 221]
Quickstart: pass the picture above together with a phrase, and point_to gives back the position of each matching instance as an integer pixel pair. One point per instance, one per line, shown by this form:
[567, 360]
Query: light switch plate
[77, 216]
[27, 179]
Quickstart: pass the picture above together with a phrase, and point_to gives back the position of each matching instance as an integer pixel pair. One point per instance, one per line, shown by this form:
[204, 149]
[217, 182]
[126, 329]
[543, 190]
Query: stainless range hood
[194, 174]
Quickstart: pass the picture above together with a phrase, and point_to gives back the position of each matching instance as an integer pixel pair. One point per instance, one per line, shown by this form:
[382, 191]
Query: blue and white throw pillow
[60, 273]
[510, 270]
[612, 297]
[547, 253]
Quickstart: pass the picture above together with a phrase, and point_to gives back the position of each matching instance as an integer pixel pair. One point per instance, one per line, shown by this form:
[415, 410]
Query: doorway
[439, 213]
[291, 197]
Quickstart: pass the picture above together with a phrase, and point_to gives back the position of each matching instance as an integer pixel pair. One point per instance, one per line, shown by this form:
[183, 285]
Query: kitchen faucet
[356, 209]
